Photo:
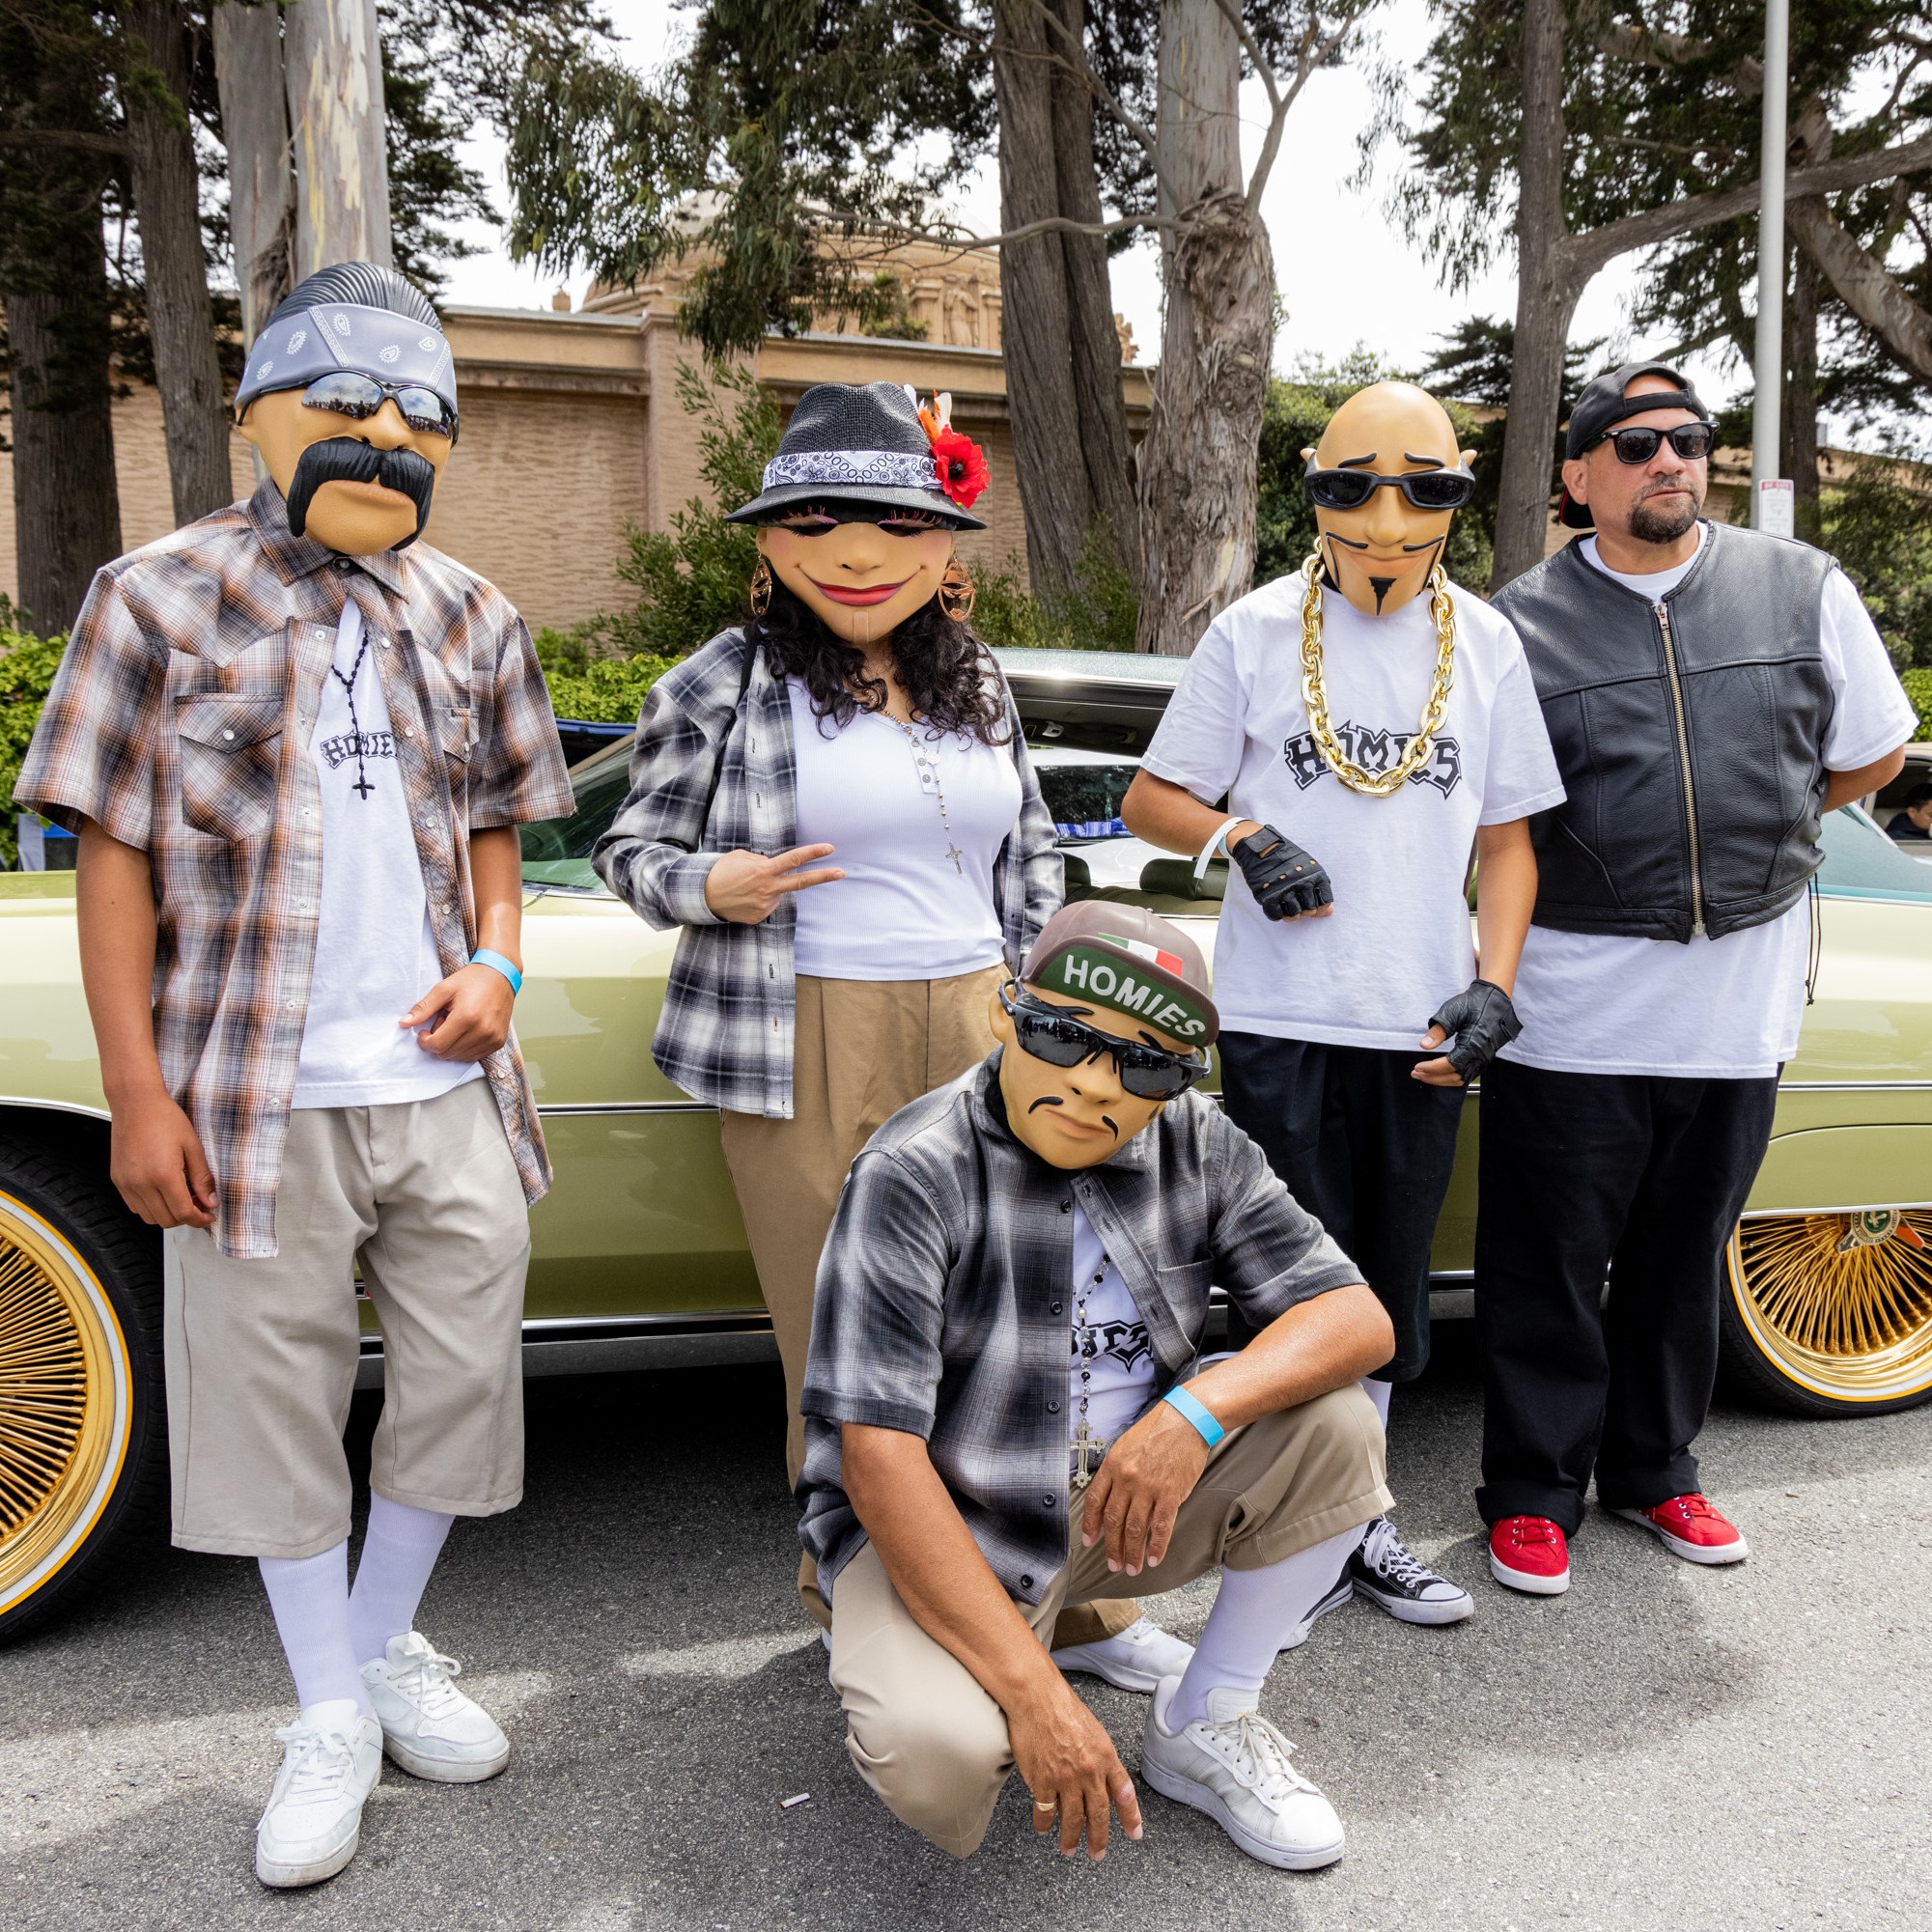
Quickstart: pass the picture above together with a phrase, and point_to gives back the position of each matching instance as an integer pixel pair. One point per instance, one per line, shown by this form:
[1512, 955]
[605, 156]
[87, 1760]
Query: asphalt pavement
[1665, 1748]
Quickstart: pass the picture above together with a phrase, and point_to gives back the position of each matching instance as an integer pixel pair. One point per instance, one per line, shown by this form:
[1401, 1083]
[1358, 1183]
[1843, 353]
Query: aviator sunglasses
[1425, 489]
[1051, 1034]
[1691, 440]
[358, 396]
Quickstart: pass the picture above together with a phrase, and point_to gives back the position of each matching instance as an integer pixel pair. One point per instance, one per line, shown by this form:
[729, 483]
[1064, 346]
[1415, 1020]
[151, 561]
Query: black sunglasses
[1425, 489]
[1051, 1034]
[349, 394]
[1691, 440]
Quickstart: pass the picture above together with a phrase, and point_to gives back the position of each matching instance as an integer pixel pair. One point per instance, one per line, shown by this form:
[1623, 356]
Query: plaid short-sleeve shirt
[944, 1289]
[180, 723]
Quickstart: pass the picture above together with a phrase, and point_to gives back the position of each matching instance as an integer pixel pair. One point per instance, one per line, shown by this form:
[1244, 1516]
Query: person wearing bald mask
[1352, 736]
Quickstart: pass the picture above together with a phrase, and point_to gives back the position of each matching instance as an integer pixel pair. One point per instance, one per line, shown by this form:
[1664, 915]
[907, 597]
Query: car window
[1861, 862]
[1084, 797]
[556, 851]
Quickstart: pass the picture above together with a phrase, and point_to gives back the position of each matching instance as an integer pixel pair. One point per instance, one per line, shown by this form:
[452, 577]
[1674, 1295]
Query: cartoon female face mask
[1385, 479]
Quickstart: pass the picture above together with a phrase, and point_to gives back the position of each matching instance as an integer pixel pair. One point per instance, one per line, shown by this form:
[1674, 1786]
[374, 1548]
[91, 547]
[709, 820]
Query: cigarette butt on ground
[788, 1804]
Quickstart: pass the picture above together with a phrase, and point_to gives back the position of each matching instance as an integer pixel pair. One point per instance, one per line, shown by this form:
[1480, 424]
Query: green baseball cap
[1129, 960]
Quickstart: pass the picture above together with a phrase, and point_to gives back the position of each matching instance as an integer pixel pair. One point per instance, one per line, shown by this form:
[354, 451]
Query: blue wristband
[484, 957]
[1196, 1412]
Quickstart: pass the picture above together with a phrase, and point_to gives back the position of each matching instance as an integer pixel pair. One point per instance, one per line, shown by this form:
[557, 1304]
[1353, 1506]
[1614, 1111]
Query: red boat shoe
[1529, 1552]
[1691, 1527]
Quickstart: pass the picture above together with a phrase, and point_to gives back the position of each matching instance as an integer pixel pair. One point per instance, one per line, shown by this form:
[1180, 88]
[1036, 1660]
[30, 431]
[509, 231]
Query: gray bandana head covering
[351, 315]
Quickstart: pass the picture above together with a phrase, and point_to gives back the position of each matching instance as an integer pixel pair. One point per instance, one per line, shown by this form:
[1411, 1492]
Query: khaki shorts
[932, 1744]
[262, 1355]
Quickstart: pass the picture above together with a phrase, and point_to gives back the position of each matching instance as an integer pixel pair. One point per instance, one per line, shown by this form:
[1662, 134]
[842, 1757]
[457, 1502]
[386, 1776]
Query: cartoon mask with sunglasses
[860, 508]
[350, 397]
[1111, 1020]
[1385, 479]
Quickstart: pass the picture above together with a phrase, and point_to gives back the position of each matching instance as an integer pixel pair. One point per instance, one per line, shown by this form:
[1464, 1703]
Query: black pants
[1365, 1148]
[1585, 1174]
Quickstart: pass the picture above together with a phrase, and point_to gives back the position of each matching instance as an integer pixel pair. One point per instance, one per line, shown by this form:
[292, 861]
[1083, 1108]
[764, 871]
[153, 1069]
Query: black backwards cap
[1603, 405]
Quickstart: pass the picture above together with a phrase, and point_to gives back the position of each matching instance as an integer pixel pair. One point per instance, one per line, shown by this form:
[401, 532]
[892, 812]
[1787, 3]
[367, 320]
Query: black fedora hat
[855, 444]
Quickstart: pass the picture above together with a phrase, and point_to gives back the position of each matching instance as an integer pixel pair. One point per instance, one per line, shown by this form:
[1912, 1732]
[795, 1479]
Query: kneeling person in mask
[1002, 1412]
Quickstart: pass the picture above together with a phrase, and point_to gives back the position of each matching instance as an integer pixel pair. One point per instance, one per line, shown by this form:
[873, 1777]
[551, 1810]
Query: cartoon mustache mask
[349, 460]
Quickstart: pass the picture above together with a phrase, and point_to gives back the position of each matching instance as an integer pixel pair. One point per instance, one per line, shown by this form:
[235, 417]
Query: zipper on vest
[1684, 760]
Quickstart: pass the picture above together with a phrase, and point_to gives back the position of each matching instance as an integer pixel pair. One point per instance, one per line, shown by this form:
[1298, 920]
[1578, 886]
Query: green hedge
[27, 666]
[1919, 688]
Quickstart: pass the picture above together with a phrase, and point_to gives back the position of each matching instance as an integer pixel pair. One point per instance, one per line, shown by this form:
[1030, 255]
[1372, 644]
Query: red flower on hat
[961, 467]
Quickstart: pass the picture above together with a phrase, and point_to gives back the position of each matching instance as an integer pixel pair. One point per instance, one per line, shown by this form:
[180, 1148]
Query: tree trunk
[1547, 288]
[261, 185]
[1197, 465]
[66, 513]
[334, 65]
[180, 318]
[1062, 353]
[1798, 422]
[1867, 287]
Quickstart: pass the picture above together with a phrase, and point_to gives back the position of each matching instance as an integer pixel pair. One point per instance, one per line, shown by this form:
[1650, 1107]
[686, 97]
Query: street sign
[1777, 507]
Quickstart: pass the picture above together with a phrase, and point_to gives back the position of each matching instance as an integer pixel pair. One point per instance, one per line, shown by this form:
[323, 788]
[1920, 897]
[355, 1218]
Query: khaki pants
[262, 1355]
[933, 1745]
[864, 1050]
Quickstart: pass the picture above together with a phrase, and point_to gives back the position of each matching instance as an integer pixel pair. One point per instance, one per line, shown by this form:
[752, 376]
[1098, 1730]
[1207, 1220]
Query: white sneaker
[428, 1726]
[1136, 1659]
[1234, 1765]
[331, 1757]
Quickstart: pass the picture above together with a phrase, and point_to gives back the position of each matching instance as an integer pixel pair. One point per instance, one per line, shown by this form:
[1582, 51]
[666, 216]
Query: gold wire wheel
[1840, 1304]
[65, 1401]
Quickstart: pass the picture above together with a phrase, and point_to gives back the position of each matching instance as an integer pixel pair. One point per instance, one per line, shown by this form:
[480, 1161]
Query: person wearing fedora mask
[968, 1473]
[1710, 692]
[835, 803]
[1369, 725]
[296, 742]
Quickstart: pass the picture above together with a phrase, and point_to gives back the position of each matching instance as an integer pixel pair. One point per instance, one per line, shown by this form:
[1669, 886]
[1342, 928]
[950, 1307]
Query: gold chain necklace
[1378, 785]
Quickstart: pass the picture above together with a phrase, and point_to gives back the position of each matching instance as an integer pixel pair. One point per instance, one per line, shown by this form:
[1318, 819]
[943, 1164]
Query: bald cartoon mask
[1385, 479]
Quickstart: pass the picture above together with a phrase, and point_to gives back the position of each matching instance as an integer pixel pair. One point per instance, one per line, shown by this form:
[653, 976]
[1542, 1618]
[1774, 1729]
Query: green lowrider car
[640, 1257]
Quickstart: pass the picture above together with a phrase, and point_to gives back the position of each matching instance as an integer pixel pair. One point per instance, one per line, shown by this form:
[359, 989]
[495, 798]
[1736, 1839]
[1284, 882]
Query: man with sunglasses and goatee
[295, 744]
[1710, 692]
[1006, 1412]
[1352, 736]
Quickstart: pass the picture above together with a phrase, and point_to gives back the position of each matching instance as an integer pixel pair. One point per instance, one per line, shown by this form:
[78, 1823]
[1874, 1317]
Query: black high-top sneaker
[1382, 1571]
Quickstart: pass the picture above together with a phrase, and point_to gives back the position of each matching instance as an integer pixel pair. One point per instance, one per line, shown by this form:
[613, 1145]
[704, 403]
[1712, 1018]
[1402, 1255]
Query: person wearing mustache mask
[1711, 693]
[1353, 737]
[1006, 1412]
[295, 742]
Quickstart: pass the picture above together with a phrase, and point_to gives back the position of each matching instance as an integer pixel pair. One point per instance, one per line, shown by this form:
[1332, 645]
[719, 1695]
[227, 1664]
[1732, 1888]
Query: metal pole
[1770, 358]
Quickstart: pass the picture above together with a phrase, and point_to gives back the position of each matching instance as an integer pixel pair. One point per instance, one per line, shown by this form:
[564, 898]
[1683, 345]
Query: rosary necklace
[1086, 1444]
[348, 685]
[1314, 695]
[927, 761]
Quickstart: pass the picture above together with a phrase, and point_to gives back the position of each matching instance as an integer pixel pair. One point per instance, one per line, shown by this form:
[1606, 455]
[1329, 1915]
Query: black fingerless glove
[1481, 1021]
[1284, 879]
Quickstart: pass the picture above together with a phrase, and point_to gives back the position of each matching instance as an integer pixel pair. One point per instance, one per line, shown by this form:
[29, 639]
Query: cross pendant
[954, 853]
[1085, 1443]
[363, 786]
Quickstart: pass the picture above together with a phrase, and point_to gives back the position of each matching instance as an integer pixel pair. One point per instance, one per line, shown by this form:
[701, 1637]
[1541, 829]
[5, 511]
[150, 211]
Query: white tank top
[916, 901]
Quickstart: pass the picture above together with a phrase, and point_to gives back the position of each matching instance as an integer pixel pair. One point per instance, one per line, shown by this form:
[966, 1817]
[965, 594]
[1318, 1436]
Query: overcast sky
[1346, 275]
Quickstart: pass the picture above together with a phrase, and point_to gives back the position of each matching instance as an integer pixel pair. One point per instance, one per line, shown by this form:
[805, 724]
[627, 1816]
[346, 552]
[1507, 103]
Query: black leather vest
[1690, 733]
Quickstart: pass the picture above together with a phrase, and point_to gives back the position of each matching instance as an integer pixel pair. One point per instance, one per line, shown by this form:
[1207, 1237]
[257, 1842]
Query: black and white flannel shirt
[726, 1031]
[943, 1295]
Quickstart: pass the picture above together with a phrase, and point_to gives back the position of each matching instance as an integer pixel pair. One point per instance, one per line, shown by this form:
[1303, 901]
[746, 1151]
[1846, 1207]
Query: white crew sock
[1379, 1393]
[398, 1553]
[309, 1596]
[1254, 1611]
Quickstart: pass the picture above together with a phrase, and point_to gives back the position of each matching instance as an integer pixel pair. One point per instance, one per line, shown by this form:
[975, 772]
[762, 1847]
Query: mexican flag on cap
[1123, 960]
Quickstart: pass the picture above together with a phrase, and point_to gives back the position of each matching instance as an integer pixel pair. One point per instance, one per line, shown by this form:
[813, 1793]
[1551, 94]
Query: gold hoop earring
[957, 592]
[760, 596]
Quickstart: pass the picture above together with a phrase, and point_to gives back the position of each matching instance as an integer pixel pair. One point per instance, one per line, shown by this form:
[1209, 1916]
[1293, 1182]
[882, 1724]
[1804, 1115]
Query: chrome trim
[593, 1345]
[1856, 1087]
[1852, 1208]
[56, 1106]
[567, 1108]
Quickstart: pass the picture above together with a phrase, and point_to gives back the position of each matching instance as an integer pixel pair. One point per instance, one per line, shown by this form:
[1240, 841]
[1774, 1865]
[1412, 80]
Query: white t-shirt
[1112, 1346]
[376, 955]
[1714, 1009]
[913, 903]
[1398, 941]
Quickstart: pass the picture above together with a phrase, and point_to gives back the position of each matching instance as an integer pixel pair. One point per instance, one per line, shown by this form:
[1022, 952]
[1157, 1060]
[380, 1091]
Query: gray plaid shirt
[944, 1290]
[725, 1034]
